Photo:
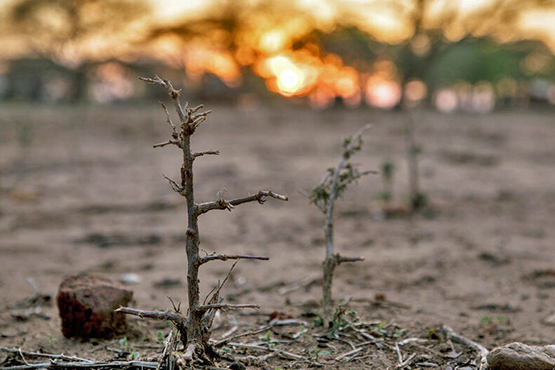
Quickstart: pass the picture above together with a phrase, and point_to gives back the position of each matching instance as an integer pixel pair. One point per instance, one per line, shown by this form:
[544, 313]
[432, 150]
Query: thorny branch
[260, 197]
[207, 152]
[194, 328]
[225, 257]
[169, 142]
[157, 315]
[44, 355]
[169, 120]
[174, 94]
[223, 306]
[323, 196]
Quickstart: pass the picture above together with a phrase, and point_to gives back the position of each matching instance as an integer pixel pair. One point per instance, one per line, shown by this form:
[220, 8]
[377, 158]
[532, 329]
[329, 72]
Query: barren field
[81, 191]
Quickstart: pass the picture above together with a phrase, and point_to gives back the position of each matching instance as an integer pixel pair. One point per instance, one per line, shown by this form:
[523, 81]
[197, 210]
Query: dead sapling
[194, 326]
[333, 185]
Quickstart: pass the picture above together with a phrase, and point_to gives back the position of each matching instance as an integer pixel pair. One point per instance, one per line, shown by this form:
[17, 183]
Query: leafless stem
[169, 142]
[278, 351]
[174, 94]
[169, 120]
[175, 186]
[168, 349]
[207, 152]
[222, 306]
[157, 315]
[54, 364]
[332, 260]
[347, 354]
[260, 197]
[45, 355]
[225, 257]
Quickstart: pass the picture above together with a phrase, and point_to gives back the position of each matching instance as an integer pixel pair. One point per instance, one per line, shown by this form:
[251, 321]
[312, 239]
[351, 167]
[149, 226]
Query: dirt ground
[81, 191]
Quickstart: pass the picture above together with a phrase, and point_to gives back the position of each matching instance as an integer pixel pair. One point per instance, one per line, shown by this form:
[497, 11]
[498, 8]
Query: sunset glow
[291, 44]
[289, 81]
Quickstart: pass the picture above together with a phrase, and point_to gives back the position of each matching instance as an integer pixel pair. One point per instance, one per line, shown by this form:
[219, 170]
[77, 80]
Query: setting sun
[289, 81]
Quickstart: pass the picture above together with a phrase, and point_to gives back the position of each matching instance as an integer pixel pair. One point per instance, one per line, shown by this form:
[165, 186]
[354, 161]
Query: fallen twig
[482, 351]
[399, 354]
[224, 341]
[45, 355]
[412, 340]
[83, 365]
[347, 354]
[407, 362]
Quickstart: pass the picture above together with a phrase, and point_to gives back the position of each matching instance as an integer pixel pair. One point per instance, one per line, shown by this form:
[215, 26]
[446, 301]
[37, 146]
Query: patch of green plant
[160, 336]
[338, 320]
[398, 332]
[318, 321]
[318, 353]
[268, 338]
[419, 200]
[385, 196]
[485, 320]
[126, 347]
[123, 343]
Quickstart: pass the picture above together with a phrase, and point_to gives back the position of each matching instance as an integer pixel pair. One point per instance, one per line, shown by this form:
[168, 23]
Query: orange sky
[534, 24]
[307, 72]
[385, 22]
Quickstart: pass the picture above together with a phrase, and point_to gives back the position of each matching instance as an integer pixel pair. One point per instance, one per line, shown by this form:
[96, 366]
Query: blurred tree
[77, 34]
[233, 35]
[355, 47]
[445, 32]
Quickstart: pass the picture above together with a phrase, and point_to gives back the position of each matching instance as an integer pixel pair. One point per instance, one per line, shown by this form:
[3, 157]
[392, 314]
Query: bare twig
[412, 340]
[157, 315]
[223, 306]
[347, 354]
[225, 257]
[169, 120]
[45, 355]
[288, 322]
[216, 290]
[224, 341]
[481, 350]
[171, 340]
[206, 152]
[399, 354]
[174, 94]
[407, 362]
[54, 364]
[260, 197]
[169, 142]
[175, 186]
[278, 351]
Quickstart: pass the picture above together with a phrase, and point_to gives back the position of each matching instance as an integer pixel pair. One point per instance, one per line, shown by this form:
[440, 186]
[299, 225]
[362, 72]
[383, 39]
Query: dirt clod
[86, 305]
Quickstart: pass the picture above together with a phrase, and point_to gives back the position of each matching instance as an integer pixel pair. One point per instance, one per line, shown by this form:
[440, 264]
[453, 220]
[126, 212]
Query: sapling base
[194, 327]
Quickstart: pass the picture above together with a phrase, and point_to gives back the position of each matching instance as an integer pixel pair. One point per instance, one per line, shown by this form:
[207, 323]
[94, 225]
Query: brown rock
[86, 304]
[518, 356]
